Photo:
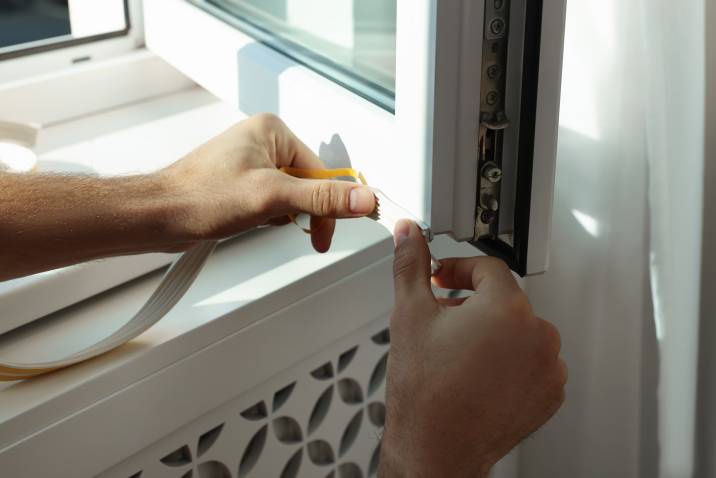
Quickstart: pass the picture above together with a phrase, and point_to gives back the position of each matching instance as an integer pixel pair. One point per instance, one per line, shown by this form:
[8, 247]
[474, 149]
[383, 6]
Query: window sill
[263, 301]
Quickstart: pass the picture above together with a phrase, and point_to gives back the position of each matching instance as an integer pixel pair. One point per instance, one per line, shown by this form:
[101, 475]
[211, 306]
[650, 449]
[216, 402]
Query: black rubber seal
[516, 255]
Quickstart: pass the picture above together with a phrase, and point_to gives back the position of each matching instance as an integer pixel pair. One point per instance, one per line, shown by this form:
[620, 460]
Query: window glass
[28, 26]
[350, 41]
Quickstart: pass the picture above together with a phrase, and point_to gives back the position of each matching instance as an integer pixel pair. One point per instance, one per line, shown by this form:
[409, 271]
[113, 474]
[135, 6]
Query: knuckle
[267, 121]
[324, 199]
[402, 264]
[552, 338]
[563, 373]
[517, 306]
[550, 344]
[495, 265]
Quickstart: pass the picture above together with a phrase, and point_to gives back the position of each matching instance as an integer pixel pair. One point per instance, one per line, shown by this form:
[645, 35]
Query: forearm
[50, 221]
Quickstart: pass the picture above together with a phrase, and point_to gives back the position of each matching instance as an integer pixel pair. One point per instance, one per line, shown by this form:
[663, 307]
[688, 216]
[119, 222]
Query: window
[351, 42]
[31, 26]
[450, 108]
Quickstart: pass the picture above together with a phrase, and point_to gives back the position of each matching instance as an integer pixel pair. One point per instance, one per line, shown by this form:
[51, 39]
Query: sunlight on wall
[589, 223]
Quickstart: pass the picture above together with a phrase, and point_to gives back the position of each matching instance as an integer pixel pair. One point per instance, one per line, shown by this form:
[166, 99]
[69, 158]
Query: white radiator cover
[321, 417]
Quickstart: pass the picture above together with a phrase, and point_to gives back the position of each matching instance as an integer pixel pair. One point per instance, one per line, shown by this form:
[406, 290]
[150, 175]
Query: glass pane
[31, 25]
[350, 41]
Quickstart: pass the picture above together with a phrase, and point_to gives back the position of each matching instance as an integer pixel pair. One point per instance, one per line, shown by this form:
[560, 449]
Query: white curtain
[674, 43]
[624, 284]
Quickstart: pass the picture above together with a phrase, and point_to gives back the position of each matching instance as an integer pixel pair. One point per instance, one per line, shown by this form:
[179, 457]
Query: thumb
[333, 199]
[411, 268]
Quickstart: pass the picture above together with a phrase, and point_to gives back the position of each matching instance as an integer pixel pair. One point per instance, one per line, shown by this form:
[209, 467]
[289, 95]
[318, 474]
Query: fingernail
[401, 232]
[361, 201]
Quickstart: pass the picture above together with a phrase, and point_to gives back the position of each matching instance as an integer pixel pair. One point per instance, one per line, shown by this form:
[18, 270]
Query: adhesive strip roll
[177, 280]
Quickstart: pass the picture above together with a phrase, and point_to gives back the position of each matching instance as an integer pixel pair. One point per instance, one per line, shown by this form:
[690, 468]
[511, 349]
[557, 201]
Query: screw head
[494, 71]
[492, 173]
[492, 98]
[497, 26]
[498, 4]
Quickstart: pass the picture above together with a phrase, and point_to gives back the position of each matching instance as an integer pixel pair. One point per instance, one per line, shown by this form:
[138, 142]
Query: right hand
[233, 183]
[467, 379]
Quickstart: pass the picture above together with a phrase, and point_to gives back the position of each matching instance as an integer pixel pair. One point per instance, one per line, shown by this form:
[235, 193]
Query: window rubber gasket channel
[516, 256]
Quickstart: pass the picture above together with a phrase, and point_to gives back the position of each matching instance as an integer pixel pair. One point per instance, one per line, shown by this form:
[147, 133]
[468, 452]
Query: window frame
[37, 46]
[304, 56]
[210, 59]
[47, 59]
[426, 151]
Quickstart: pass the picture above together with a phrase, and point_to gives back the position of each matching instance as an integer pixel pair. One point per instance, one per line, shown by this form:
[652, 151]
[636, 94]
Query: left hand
[232, 184]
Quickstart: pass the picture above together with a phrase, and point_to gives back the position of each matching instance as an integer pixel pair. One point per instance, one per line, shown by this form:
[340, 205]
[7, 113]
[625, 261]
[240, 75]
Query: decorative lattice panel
[320, 418]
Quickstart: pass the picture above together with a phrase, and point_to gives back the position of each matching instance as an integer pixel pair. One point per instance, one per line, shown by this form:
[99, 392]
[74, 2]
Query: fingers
[470, 273]
[279, 221]
[322, 233]
[411, 271]
[332, 199]
[452, 302]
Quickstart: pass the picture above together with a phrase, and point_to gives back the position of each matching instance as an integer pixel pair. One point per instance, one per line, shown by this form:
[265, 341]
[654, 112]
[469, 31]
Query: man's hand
[467, 379]
[229, 185]
[232, 184]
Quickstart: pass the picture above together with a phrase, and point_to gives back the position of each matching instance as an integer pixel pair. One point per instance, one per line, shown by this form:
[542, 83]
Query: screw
[494, 71]
[492, 173]
[492, 98]
[499, 4]
[497, 27]
[488, 217]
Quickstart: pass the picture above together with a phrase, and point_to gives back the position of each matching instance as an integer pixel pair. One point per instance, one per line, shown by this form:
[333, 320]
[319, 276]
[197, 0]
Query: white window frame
[61, 56]
[41, 88]
[423, 156]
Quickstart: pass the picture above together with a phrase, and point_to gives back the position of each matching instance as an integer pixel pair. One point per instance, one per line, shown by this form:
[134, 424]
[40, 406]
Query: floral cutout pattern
[182, 458]
[316, 421]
